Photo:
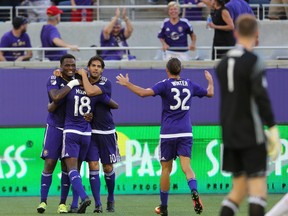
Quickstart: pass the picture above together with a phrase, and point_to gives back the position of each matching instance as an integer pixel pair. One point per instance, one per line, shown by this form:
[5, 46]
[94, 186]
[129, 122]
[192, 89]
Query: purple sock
[164, 197]
[95, 186]
[110, 182]
[192, 184]
[65, 186]
[46, 180]
[76, 182]
[75, 198]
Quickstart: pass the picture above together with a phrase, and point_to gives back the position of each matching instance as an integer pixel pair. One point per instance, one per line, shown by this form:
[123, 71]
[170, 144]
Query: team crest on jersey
[167, 29]
[180, 28]
[53, 80]
[45, 152]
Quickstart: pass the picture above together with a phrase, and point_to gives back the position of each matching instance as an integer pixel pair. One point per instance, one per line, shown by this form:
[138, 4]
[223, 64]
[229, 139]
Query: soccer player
[103, 142]
[174, 32]
[77, 137]
[176, 130]
[57, 88]
[244, 106]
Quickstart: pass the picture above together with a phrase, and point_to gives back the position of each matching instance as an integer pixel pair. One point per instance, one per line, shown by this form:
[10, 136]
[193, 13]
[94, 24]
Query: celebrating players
[176, 130]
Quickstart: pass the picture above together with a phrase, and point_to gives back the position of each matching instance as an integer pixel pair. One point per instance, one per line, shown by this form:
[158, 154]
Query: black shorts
[251, 162]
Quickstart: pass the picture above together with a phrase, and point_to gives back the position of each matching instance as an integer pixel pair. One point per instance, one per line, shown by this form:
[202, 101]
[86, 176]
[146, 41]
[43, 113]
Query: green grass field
[140, 205]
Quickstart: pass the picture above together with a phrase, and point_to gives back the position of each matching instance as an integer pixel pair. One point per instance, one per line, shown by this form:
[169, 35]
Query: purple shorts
[52, 145]
[75, 146]
[171, 148]
[105, 147]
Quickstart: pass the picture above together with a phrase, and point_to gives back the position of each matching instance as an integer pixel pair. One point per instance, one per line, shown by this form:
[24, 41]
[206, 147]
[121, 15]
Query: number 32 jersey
[77, 105]
[176, 102]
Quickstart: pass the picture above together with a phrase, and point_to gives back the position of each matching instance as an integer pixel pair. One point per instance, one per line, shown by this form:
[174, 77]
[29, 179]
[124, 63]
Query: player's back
[176, 102]
[239, 115]
[77, 104]
[57, 117]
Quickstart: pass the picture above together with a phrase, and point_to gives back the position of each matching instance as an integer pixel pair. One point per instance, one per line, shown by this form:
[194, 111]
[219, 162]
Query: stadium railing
[266, 8]
[135, 12]
[267, 52]
[6, 13]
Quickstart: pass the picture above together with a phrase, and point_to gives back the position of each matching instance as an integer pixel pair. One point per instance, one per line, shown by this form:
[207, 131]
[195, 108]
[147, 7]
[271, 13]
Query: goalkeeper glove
[274, 144]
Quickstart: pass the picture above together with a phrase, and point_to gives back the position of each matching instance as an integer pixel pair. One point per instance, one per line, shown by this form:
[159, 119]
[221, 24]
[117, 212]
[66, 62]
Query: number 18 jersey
[176, 102]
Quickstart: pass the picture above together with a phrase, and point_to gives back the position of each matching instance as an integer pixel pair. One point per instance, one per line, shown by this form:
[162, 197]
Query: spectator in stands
[114, 35]
[66, 16]
[17, 37]
[235, 7]
[223, 25]
[50, 36]
[81, 14]
[194, 13]
[174, 33]
[238, 7]
[36, 14]
[276, 13]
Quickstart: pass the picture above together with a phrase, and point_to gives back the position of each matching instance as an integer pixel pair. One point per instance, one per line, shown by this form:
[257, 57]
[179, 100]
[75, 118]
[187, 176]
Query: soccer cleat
[98, 209]
[110, 207]
[162, 210]
[41, 207]
[62, 208]
[83, 205]
[198, 206]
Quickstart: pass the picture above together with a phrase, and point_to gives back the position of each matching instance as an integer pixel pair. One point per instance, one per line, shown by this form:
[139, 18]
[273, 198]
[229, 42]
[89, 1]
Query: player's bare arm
[210, 88]
[124, 81]
[91, 90]
[58, 94]
[52, 107]
[113, 104]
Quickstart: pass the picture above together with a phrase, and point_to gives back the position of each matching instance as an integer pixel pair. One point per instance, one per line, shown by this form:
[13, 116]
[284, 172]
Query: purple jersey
[83, 2]
[238, 7]
[102, 116]
[48, 33]
[176, 102]
[57, 117]
[176, 35]
[114, 41]
[78, 104]
[8, 40]
[193, 13]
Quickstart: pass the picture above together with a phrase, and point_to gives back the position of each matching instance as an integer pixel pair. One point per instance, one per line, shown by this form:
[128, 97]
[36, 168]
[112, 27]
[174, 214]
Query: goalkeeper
[244, 106]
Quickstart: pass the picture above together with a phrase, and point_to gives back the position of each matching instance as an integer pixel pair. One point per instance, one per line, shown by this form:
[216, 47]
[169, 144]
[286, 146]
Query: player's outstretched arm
[124, 81]
[210, 88]
[91, 90]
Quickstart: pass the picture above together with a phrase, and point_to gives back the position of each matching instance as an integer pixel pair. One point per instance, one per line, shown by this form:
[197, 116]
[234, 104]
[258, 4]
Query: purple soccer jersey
[9, 40]
[77, 131]
[56, 118]
[83, 2]
[238, 7]
[114, 41]
[55, 123]
[103, 142]
[48, 33]
[176, 102]
[176, 35]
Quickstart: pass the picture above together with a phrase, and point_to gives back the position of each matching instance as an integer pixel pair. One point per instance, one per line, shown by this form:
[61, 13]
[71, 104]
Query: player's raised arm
[91, 90]
[124, 81]
[210, 88]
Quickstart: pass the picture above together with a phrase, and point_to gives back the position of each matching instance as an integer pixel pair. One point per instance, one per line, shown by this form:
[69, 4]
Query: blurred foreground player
[244, 106]
[176, 131]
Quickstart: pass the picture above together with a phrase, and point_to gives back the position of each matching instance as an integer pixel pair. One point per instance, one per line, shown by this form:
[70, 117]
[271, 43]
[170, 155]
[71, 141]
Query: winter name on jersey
[180, 83]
